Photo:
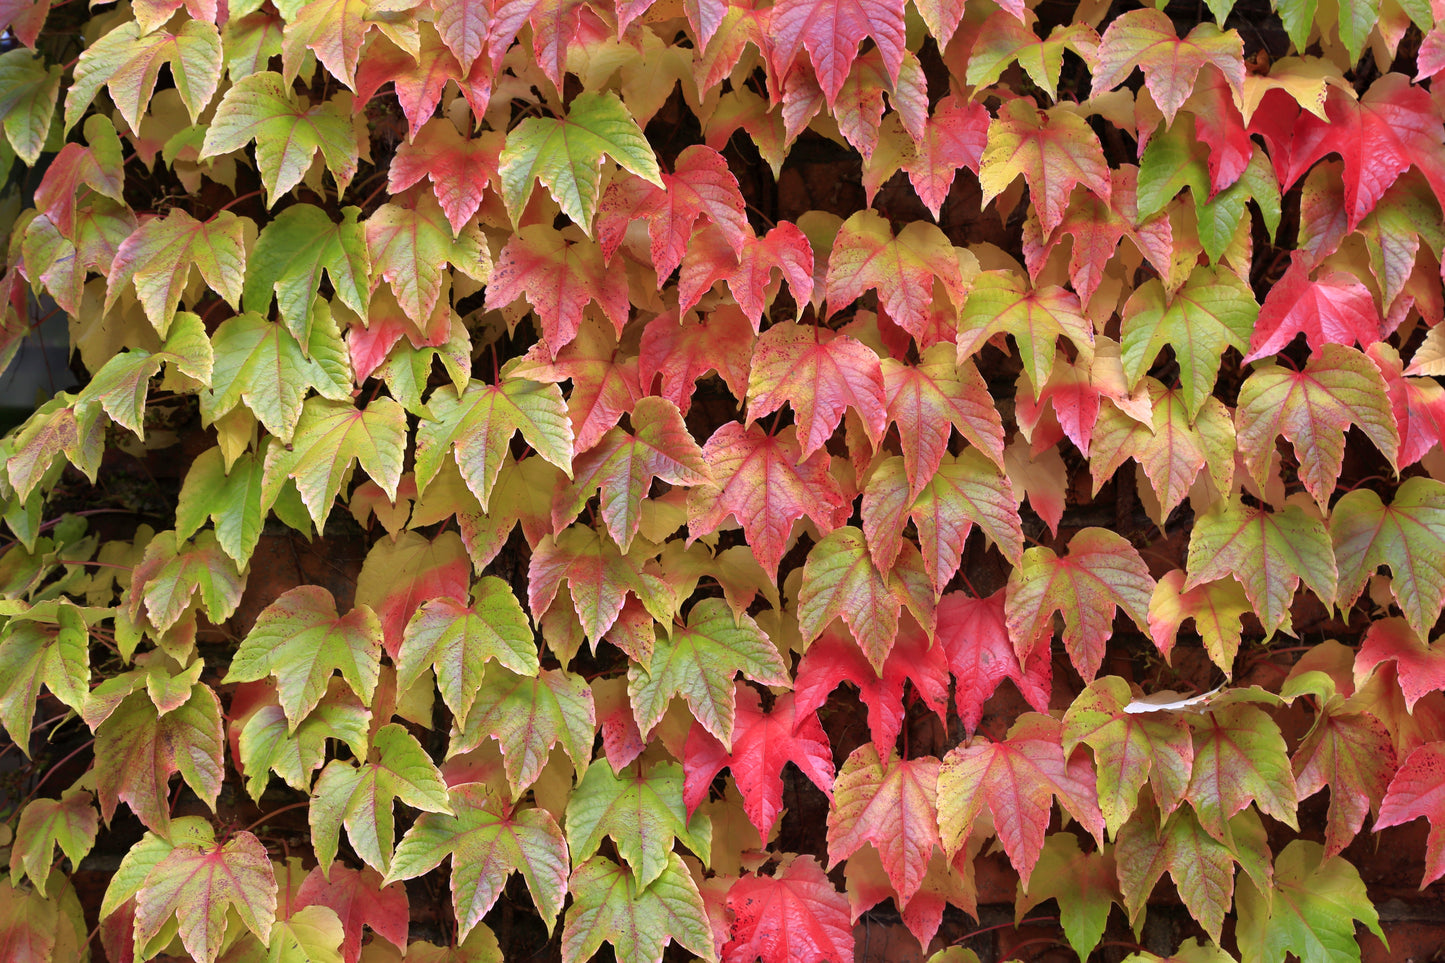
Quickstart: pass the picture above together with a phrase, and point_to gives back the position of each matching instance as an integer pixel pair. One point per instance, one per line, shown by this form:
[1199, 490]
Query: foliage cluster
[669, 468]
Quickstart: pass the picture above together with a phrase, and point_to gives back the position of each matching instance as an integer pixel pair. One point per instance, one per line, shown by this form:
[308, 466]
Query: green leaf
[361, 797]
[293, 250]
[128, 62]
[528, 715]
[48, 645]
[642, 812]
[1408, 536]
[1201, 866]
[411, 245]
[235, 501]
[487, 841]
[565, 155]
[300, 639]
[159, 256]
[1215, 608]
[1239, 758]
[1083, 884]
[261, 107]
[457, 640]
[269, 744]
[174, 570]
[122, 385]
[28, 92]
[639, 921]
[69, 822]
[1310, 913]
[1003, 302]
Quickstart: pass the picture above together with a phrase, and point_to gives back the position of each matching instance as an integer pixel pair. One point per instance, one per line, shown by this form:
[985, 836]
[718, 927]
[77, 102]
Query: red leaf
[974, 636]
[928, 400]
[604, 379]
[1335, 309]
[1418, 789]
[784, 249]
[1418, 405]
[1146, 39]
[793, 916]
[831, 30]
[682, 351]
[1055, 150]
[460, 169]
[358, 898]
[1420, 668]
[954, 137]
[892, 804]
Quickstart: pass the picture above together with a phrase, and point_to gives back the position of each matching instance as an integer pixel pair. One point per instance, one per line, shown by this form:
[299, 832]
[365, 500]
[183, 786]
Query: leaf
[831, 33]
[1017, 779]
[138, 749]
[764, 482]
[599, 578]
[487, 841]
[1313, 409]
[300, 639]
[128, 59]
[42, 648]
[528, 715]
[410, 246]
[609, 905]
[401, 574]
[1213, 311]
[1146, 39]
[460, 169]
[763, 742]
[1201, 866]
[820, 375]
[641, 812]
[456, 640]
[954, 137]
[681, 351]
[1405, 536]
[974, 635]
[1053, 150]
[565, 155]
[1311, 911]
[927, 400]
[1083, 884]
[1001, 302]
[866, 255]
[1239, 758]
[699, 662]
[69, 822]
[357, 898]
[1215, 608]
[267, 744]
[623, 465]
[1129, 748]
[1335, 308]
[1101, 572]
[604, 378]
[1006, 40]
[1416, 790]
[333, 29]
[121, 386]
[261, 107]
[361, 796]
[159, 256]
[175, 571]
[289, 256]
[28, 92]
[892, 804]
[558, 277]
[1420, 667]
[784, 249]
[200, 882]
[795, 914]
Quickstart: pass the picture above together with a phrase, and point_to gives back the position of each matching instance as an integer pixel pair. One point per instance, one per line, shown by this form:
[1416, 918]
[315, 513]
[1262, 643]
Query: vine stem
[1004, 926]
[53, 769]
[273, 814]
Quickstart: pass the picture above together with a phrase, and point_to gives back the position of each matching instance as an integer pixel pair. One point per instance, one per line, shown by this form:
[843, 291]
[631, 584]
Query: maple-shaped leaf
[301, 639]
[841, 581]
[1003, 302]
[358, 898]
[25, 19]
[30, 90]
[700, 185]
[1213, 310]
[624, 464]
[1214, 607]
[411, 243]
[565, 154]
[598, 576]
[834, 658]
[138, 749]
[1201, 866]
[1416, 790]
[819, 374]
[954, 137]
[764, 482]
[1100, 573]
[174, 571]
[642, 812]
[1419, 666]
[456, 639]
[460, 169]
[902, 269]
[333, 30]
[1418, 405]
[1378, 136]
[603, 376]
[795, 914]
[1239, 758]
[361, 795]
[699, 661]
[200, 882]
[1407, 536]
[831, 33]
[419, 75]
[49, 645]
[973, 634]
[267, 743]
[610, 905]
[1313, 409]
[945, 884]
[1269, 553]
[1146, 39]
[128, 59]
[1310, 912]
[964, 491]
[928, 400]
[121, 386]
[679, 351]
[1083, 884]
[1334, 308]
[487, 841]
[763, 742]
[1017, 779]
[401, 573]
[784, 249]
[558, 276]
[288, 260]
[331, 437]
[1054, 150]
[159, 255]
[528, 715]
[1346, 749]
[96, 164]
[69, 822]
[1006, 40]
[892, 804]
[261, 107]
[1130, 748]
